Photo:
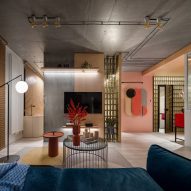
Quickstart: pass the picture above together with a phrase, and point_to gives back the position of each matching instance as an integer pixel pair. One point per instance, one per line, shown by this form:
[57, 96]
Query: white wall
[14, 67]
[187, 111]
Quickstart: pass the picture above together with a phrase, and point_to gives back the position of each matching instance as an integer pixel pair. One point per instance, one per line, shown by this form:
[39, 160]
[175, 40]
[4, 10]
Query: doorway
[165, 108]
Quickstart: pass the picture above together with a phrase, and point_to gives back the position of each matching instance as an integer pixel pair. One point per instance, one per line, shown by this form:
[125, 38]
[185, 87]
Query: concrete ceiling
[31, 44]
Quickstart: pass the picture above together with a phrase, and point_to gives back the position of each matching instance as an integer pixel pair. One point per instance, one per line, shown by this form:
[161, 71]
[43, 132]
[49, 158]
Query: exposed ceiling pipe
[129, 56]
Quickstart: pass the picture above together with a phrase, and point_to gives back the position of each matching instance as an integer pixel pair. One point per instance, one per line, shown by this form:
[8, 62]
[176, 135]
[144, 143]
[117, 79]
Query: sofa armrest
[169, 170]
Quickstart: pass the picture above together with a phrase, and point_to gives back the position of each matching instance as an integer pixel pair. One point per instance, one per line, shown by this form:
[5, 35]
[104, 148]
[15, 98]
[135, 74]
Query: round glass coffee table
[88, 155]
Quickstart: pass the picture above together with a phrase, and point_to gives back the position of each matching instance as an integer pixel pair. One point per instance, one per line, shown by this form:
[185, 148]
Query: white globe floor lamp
[21, 87]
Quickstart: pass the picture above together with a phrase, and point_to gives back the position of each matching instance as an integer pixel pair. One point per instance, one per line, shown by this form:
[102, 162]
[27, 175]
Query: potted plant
[110, 123]
[76, 115]
[86, 65]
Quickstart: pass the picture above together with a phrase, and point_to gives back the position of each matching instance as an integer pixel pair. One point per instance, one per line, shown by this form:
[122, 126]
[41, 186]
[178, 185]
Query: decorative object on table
[86, 65]
[136, 102]
[21, 87]
[86, 133]
[96, 134]
[89, 137]
[110, 126]
[89, 140]
[76, 115]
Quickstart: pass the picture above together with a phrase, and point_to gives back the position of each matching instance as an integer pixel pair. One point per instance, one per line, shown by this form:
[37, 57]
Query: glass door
[161, 112]
[165, 102]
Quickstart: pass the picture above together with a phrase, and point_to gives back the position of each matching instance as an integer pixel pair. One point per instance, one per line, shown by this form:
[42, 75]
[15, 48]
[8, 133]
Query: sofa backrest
[171, 171]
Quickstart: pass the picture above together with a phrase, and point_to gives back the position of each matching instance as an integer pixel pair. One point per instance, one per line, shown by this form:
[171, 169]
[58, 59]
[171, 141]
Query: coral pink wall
[137, 123]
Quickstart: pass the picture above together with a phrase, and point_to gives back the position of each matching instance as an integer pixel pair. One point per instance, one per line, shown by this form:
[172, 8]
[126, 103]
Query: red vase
[76, 135]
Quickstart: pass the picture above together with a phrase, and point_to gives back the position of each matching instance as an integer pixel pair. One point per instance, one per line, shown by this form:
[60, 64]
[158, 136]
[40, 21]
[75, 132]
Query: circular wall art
[130, 93]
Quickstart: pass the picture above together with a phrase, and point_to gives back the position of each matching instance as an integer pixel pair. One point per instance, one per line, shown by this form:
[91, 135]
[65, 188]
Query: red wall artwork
[136, 102]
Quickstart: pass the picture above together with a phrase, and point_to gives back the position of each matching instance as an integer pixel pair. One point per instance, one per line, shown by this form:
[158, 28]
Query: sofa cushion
[169, 170]
[132, 179]
[42, 178]
[49, 178]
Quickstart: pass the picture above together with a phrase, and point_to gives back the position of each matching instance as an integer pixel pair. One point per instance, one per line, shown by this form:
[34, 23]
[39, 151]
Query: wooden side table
[53, 142]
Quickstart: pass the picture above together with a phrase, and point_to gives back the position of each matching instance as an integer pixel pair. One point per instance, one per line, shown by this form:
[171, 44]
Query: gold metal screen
[111, 68]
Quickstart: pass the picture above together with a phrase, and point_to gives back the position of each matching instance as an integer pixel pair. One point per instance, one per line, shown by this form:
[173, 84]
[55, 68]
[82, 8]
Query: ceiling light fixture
[158, 22]
[147, 22]
[45, 21]
[57, 23]
[21, 87]
[33, 21]
[70, 70]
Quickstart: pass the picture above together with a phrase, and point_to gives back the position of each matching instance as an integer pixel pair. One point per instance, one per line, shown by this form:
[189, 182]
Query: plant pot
[76, 135]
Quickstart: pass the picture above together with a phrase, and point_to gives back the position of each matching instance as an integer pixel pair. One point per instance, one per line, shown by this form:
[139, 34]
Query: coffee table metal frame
[94, 155]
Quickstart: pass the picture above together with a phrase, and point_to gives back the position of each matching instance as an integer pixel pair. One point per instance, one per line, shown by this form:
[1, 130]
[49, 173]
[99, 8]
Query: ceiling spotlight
[147, 22]
[45, 21]
[57, 22]
[33, 21]
[158, 22]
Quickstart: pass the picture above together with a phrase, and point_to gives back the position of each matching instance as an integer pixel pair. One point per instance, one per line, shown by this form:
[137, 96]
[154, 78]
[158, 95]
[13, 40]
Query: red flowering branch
[76, 114]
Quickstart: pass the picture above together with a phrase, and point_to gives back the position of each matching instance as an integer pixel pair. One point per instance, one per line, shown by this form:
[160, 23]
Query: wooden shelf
[82, 126]
[70, 70]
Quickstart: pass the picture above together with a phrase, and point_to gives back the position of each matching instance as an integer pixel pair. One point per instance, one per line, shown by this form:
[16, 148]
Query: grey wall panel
[63, 59]
[54, 87]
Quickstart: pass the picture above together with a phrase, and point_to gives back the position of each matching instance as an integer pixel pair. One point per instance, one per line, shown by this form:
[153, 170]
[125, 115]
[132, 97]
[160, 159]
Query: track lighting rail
[57, 21]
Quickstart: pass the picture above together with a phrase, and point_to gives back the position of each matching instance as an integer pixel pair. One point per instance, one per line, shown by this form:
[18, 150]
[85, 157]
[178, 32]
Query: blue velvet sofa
[165, 171]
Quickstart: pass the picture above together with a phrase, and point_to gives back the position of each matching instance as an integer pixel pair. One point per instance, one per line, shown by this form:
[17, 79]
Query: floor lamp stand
[9, 158]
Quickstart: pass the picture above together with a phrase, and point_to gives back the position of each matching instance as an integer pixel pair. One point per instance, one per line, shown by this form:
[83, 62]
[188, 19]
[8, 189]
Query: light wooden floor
[133, 148]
